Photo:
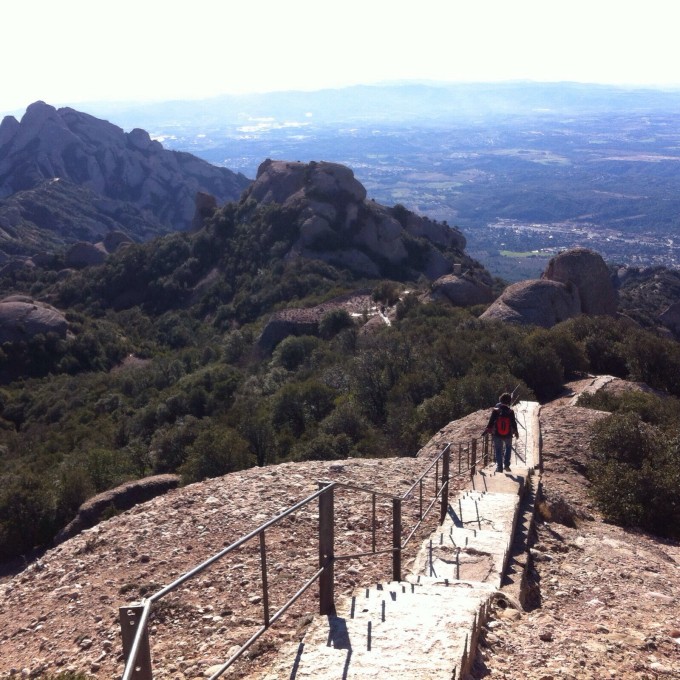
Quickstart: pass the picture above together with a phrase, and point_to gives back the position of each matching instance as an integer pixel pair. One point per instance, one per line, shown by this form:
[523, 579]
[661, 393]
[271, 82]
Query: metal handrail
[141, 630]
[237, 544]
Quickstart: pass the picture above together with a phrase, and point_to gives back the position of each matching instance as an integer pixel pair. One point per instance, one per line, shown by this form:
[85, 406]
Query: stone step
[403, 630]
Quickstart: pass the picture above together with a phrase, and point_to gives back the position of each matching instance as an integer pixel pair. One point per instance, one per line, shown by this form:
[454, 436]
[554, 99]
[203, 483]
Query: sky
[71, 51]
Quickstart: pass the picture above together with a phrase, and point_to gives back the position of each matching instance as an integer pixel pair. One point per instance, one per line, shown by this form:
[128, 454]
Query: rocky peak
[339, 225]
[100, 156]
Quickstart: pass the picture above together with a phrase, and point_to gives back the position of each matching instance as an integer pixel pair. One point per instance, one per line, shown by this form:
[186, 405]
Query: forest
[163, 371]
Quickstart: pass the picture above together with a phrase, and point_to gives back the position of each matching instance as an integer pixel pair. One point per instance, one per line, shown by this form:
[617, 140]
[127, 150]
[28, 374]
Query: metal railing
[134, 618]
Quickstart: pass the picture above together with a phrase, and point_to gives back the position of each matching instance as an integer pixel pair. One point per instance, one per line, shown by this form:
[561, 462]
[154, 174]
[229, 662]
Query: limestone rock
[21, 318]
[585, 269]
[338, 225]
[121, 498]
[541, 302]
[462, 291]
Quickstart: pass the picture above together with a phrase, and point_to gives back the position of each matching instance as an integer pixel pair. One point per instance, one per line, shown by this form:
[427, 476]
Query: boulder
[22, 318]
[461, 291]
[289, 322]
[121, 498]
[85, 254]
[585, 269]
[114, 240]
[540, 302]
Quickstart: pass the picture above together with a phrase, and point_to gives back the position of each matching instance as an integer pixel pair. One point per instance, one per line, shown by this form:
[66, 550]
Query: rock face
[288, 322]
[539, 302]
[586, 270]
[337, 224]
[128, 167]
[21, 318]
[121, 498]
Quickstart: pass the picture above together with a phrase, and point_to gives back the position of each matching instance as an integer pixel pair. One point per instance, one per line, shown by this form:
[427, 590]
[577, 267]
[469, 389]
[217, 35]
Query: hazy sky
[71, 51]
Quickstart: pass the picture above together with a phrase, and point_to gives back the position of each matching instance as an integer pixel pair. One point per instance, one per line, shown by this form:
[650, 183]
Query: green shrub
[663, 412]
[333, 322]
[293, 351]
[635, 474]
[215, 452]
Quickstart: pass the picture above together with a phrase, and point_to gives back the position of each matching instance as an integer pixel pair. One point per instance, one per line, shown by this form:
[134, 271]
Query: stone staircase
[426, 627]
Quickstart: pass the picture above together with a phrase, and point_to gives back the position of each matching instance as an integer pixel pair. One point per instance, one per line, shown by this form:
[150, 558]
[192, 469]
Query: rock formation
[123, 497]
[83, 254]
[585, 269]
[206, 204]
[540, 302]
[130, 167]
[463, 291]
[337, 224]
[21, 318]
[306, 321]
[575, 282]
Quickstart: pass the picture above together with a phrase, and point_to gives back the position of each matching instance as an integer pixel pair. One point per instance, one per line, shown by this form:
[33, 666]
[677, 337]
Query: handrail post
[265, 583]
[446, 463]
[326, 550]
[473, 458]
[396, 539]
[129, 618]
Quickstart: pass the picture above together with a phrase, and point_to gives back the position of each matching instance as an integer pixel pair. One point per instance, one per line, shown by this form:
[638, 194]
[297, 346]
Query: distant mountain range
[395, 102]
[108, 180]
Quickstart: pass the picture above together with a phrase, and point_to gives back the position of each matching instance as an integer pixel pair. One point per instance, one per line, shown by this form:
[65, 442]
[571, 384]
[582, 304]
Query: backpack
[503, 424]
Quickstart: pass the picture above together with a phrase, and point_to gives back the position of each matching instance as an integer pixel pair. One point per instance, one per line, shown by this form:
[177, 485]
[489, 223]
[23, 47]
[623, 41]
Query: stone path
[426, 627]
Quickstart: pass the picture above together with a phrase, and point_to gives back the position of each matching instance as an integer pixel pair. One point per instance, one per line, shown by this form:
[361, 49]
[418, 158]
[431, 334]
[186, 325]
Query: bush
[635, 474]
[27, 514]
[333, 322]
[215, 452]
[293, 351]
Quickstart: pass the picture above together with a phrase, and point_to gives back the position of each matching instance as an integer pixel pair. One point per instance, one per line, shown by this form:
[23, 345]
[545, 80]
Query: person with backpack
[503, 426]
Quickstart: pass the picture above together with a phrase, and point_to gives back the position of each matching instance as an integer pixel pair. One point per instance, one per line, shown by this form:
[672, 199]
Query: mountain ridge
[127, 168]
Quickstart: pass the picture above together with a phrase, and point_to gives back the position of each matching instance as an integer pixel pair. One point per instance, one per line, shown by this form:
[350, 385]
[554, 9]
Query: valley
[513, 176]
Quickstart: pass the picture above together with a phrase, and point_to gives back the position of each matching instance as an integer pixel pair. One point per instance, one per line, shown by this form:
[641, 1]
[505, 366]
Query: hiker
[503, 426]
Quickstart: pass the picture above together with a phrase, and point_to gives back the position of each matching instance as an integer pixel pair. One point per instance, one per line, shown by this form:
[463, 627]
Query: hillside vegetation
[163, 372]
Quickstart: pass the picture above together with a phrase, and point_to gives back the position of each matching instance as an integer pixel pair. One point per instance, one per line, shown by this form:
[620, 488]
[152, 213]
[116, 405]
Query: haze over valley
[525, 170]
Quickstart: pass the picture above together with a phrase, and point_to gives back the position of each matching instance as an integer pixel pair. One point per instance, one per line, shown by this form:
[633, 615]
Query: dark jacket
[502, 409]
